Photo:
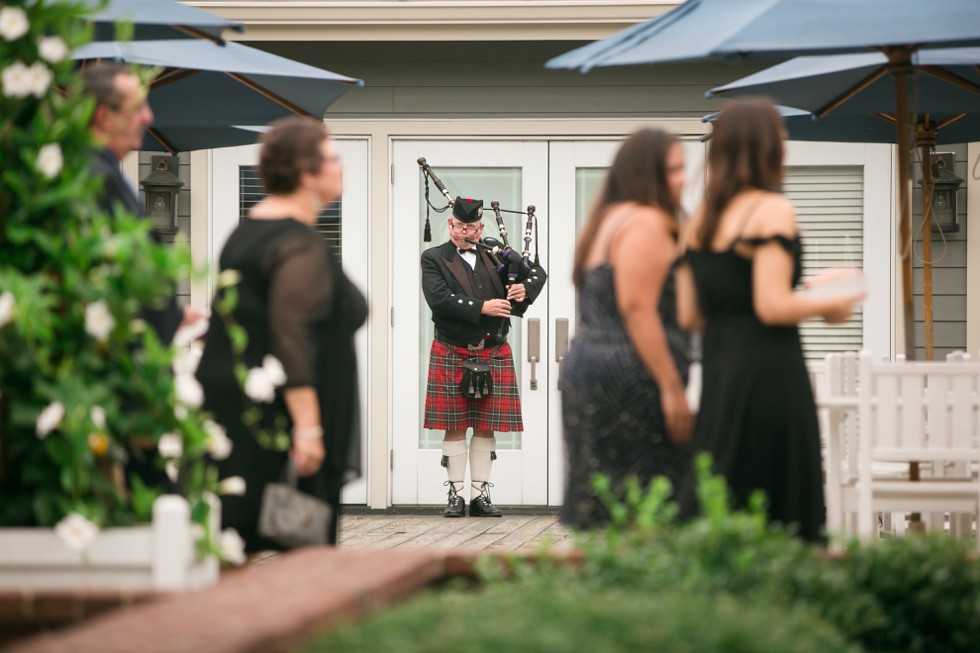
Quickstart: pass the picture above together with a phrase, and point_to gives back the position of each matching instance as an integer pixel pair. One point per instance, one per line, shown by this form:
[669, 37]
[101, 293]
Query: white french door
[576, 172]
[515, 174]
[233, 179]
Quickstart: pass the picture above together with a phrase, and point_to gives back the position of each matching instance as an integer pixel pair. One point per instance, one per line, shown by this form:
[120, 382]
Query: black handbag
[293, 518]
[476, 382]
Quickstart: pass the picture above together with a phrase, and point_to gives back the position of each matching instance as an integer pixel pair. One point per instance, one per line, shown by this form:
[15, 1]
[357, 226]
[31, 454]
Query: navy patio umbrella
[722, 29]
[156, 19]
[209, 95]
[700, 30]
[843, 89]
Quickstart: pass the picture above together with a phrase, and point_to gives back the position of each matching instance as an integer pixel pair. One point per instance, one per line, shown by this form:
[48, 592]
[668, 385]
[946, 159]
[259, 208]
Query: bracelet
[307, 432]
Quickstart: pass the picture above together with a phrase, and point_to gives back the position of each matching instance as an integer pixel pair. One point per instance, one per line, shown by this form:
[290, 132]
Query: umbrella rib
[163, 141]
[951, 78]
[170, 76]
[199, 34]
[851, 92]
[272, 96]
[950, 120]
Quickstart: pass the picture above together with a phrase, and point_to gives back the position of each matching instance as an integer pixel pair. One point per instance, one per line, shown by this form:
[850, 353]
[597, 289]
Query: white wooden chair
[917, 412]
[837, 400]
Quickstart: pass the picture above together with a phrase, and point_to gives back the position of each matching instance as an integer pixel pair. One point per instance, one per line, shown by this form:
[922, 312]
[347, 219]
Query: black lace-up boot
[456, 506]
[481, 506]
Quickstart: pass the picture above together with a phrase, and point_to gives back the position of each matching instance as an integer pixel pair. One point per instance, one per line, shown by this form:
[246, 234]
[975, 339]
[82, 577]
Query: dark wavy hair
[745, 152]
[638, 174]
[290, 147]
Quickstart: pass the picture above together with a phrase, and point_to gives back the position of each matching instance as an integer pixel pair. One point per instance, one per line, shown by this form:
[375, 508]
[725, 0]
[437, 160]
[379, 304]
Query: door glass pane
[487, 184]
[588, 182]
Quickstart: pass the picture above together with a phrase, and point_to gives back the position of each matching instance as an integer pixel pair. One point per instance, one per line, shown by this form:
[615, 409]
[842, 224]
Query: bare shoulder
[774, 216]
[648, 220]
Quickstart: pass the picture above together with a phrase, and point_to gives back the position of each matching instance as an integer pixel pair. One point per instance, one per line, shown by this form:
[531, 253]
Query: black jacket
[456, 310]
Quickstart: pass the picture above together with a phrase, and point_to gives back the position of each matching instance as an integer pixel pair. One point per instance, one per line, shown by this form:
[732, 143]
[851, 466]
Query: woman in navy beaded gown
[622, 381]
[736, 282]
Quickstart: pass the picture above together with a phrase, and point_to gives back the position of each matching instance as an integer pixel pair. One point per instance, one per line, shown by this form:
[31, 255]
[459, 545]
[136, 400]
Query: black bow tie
[465, 251]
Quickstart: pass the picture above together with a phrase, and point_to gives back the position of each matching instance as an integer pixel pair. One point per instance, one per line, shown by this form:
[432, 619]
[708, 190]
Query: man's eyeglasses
[461, 228]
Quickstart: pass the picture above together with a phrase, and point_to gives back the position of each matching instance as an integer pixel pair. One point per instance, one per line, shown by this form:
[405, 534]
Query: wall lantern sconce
[161, 187]
[945, 189]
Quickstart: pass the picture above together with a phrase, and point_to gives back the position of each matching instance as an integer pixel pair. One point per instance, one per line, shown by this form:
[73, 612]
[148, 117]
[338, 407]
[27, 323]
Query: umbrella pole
[899, 64]
[927, 247]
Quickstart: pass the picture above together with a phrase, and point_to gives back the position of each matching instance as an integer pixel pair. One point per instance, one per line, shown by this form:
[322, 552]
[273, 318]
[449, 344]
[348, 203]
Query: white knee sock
[455, 453]
[482, 453]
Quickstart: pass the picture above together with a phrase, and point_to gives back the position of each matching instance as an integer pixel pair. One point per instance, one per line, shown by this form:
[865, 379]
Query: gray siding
[500, 80]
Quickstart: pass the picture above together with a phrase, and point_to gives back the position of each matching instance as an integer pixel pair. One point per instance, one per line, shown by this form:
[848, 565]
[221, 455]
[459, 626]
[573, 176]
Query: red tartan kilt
[447, 408]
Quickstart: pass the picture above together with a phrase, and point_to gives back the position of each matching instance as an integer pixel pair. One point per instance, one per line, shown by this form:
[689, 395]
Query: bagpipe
[511, 266]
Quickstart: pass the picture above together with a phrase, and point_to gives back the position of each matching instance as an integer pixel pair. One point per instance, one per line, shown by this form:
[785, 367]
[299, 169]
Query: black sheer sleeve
[301, 289]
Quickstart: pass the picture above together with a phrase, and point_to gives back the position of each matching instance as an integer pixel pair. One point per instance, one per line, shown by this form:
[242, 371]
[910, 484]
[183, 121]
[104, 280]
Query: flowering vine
[85, 386]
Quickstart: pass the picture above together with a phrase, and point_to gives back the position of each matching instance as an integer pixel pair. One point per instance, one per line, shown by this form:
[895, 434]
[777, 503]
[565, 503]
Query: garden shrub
[551, 618]
[727, 581]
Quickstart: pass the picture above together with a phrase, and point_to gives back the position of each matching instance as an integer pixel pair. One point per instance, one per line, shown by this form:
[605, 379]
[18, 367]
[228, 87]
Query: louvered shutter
[829, 204]
[329, 224]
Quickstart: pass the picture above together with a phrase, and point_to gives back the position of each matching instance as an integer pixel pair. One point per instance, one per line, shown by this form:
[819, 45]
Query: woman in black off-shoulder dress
[757, 414]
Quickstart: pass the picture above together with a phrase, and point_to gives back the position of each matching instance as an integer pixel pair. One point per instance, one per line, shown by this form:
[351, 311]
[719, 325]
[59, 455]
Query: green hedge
[548, 618]
[725, 582]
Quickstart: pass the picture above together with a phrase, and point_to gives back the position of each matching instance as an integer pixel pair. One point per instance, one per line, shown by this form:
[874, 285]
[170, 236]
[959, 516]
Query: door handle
[561, 341]
[534, 348]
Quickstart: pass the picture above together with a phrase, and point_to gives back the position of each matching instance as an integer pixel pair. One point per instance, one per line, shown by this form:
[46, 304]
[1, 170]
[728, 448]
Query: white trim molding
[433, 20]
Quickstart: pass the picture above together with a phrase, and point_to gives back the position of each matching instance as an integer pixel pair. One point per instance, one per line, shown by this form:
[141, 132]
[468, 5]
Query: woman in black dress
[623, 406]
[757, 415]
[297, 307]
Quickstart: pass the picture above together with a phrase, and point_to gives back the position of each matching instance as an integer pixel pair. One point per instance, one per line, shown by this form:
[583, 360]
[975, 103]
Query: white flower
[188, 391]
[52, 49]
[232, 486]
[170, 445]
[39, 77]
[232, 547]
[273, 369]
[229, 278]
[50, 418]
[172, 470]
[97, 415]
[17, 80]
[186, 360]
[180, 412]
[7, 304]
[258, 386]
[13, 23]
[189, 334]
[76, 531]
[219, 444]
[137, 326]
[99, 321]
[49, 160]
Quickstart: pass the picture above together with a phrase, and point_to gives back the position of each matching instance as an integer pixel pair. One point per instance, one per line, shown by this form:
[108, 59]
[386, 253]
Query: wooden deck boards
[509, 533]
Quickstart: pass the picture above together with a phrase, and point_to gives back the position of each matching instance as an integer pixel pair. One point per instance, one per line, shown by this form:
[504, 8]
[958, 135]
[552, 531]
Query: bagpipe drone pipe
[511, 266]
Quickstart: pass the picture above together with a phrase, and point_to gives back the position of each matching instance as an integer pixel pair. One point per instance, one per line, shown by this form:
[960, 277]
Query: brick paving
[279, 602]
